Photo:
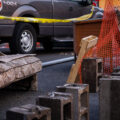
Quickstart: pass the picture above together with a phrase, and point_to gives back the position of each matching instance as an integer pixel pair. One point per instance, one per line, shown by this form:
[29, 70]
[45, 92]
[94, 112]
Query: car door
[78, 9]
[61, 10]
[45, 9]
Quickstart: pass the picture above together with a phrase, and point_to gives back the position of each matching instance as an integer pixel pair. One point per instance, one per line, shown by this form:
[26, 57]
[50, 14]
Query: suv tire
[24, 39]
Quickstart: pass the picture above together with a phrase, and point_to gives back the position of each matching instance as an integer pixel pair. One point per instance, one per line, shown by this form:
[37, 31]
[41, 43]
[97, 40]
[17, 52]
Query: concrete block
[60, 104]
[92, 70]
[29, 112]
[110, 98]
[80, 94]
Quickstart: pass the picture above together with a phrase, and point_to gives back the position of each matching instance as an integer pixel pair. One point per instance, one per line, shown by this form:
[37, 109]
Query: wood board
[86, 44]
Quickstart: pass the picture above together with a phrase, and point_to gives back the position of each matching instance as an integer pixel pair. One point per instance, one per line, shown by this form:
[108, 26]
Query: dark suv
[22, 37]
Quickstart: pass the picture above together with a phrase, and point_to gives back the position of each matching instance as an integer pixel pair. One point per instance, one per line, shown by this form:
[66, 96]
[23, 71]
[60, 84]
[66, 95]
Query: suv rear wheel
[24, 39]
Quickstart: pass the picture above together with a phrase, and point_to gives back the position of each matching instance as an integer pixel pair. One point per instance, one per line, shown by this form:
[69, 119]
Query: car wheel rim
[26, 40]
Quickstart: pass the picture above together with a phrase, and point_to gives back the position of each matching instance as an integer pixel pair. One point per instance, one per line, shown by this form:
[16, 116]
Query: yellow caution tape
[84, 17]
[44, 20]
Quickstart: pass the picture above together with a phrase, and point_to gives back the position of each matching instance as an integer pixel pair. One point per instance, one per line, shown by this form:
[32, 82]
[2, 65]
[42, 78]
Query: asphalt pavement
[48, 78]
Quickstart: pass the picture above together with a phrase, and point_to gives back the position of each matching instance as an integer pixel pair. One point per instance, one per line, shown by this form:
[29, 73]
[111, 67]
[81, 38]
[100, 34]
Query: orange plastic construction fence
[108, 46]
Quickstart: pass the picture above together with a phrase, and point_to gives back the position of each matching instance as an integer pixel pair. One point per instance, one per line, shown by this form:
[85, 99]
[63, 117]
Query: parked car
[22, 37]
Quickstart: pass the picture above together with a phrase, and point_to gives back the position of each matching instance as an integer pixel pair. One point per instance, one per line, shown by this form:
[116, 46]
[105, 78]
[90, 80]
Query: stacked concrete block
[110, 98]
[80, 94]
[92, 70]
[29, 112]
[60, 104]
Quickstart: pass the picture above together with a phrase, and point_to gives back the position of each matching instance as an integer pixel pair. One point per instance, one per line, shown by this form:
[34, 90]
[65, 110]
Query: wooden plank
[92, 43]
[86, 43]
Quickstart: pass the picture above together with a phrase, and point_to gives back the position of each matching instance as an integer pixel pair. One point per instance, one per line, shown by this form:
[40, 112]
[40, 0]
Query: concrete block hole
[100, 67]
[98, 82]
[42, 118]
[84, 117]
[83, 100]
[67, 111]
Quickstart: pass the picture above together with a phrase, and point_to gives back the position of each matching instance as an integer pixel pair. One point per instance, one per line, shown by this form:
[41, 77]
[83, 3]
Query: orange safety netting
[108, 46]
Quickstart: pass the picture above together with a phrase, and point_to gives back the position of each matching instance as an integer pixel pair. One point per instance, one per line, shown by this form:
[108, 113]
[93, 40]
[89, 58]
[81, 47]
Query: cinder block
[92, 70]
[60, 104]
[80, 94]
[29, 112]
[110, 98]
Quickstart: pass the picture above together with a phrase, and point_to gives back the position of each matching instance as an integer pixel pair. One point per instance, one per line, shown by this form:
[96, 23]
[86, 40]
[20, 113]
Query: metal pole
[59, 61]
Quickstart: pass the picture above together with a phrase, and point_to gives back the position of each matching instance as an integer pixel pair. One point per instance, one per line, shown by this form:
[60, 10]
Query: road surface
[48, 78]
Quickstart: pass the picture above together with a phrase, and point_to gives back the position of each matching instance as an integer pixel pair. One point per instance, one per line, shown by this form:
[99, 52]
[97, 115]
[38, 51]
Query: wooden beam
[85, 45]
